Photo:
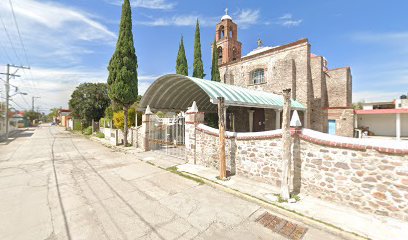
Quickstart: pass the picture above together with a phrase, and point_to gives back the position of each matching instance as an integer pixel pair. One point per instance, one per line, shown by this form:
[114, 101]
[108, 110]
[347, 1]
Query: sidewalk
[345, 218]
[342, 217]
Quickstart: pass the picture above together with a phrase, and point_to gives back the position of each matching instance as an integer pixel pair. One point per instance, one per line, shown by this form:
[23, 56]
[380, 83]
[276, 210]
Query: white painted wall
[384, 124]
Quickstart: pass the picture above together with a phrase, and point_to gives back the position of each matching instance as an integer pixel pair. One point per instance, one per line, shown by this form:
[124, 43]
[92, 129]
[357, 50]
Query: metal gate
[167, 135]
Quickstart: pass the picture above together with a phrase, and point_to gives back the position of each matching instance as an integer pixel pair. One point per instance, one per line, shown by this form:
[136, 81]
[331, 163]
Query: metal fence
[167, 135]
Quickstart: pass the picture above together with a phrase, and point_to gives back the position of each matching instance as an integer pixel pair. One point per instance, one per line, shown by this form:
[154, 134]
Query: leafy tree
[198, 71]
[181, 64]
[122, 67]
[112, 109]
[358, 105]
[32, 115]
[53, 114]
[89, 101]
[119, 118]
[215, 72]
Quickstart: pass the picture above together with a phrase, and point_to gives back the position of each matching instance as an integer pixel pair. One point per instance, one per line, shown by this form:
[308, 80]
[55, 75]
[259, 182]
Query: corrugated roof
[177, 92]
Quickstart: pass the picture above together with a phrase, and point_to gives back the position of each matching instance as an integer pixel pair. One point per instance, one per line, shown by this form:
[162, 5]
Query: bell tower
[226, 37]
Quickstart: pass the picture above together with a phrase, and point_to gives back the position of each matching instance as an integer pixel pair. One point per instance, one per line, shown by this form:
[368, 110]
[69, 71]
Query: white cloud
[180, 21]
[244, 18]
[55, 85]
[150, 4]
[287, 20]
[375, 96]
[247, 17]
[395, 40]
[381, 37]
[53, 33]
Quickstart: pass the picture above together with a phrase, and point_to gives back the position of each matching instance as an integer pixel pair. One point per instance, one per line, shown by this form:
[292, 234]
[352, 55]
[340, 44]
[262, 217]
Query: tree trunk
[286, 139]
[125, 130]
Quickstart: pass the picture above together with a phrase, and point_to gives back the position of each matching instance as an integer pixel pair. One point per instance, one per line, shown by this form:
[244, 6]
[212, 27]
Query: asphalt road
[57, 185]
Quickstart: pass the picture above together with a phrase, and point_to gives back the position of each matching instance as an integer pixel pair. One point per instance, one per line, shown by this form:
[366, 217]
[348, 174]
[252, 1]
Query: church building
[326, 93]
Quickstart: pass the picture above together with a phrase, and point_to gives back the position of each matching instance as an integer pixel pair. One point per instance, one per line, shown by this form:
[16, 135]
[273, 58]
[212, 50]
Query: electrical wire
[9, 38]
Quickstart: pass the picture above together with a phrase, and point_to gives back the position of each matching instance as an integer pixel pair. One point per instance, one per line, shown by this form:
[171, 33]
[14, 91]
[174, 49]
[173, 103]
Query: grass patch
[100, 135]
[174, 170]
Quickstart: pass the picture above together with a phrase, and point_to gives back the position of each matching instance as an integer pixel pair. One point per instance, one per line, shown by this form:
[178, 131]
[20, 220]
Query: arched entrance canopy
[174, 92]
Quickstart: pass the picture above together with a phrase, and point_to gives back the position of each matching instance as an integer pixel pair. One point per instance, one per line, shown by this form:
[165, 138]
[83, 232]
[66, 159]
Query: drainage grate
[281, 226]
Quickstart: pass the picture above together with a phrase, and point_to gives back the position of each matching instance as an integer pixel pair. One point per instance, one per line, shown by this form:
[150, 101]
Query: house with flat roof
[389, 119]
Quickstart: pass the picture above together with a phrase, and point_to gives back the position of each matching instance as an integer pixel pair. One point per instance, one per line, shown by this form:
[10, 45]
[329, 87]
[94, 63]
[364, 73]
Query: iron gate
[167, 135]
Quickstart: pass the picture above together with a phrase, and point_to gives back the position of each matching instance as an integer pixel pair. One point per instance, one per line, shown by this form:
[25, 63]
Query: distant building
[326, 93]
[63, 116]
[384, 118]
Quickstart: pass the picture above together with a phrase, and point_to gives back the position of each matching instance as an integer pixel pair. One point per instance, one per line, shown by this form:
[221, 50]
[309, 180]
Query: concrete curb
[273, 207]
[283, 211]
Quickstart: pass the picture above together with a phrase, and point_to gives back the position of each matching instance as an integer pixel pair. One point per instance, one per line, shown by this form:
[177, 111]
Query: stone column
[251, 119]
[277, 118]
[398, 126]
[193, 118]
[146, 121]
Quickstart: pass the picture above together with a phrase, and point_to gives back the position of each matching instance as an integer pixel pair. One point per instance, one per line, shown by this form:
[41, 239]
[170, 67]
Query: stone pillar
[277, 119]
[193, 118]
[398, 126]
[146, 121]
[251, 119]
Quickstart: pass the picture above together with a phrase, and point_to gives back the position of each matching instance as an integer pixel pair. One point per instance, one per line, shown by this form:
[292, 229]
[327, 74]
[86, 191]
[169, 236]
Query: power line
[17, 104]
[25, 100]
[9, 38]
[30, 76]
[19, 34]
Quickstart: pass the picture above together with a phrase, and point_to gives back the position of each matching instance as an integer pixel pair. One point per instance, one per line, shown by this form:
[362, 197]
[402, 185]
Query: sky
[68, 42]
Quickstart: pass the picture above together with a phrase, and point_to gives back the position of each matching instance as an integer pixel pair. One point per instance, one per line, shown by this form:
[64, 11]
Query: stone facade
[372, 178]
[344, 118]
[289, 66]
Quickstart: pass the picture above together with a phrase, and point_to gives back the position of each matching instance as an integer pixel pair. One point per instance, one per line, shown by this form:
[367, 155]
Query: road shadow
[19, 133]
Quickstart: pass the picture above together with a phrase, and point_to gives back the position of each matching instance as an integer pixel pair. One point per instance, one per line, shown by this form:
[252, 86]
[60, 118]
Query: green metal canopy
[174, 92]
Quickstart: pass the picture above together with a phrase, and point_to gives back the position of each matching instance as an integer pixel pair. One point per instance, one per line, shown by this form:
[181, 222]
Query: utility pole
[32, 102]
[8, 74]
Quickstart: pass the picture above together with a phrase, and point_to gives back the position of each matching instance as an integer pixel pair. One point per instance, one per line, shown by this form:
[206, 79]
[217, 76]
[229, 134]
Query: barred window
[258, 76]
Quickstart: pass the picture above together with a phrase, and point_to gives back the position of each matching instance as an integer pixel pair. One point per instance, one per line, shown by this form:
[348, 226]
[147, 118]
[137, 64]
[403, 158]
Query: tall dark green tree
[181, 64]
[198, 71]
[215, 72]
[122, 67]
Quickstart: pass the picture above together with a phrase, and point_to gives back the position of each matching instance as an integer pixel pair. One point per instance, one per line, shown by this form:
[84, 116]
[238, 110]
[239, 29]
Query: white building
[384, 118]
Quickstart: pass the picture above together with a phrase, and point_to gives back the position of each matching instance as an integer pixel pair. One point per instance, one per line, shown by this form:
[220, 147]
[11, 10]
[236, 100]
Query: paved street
[56, 185]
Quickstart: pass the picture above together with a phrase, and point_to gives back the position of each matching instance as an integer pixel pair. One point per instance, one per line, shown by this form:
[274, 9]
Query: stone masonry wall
[360, 176]
[344, 121]
[369, 176]
[339, 87]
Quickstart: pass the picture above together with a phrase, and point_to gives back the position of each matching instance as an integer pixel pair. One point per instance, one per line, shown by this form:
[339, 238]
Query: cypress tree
[215, 72]
[198, 71]
[122, 79]
[181, 64]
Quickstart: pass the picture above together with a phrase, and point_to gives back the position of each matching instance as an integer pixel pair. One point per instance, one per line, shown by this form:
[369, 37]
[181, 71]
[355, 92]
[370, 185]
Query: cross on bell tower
[226, 37]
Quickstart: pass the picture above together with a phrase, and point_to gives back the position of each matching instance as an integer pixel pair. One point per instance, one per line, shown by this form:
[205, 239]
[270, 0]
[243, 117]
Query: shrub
[100, 135]
[87, 131]
[77, 125]
[119, 118]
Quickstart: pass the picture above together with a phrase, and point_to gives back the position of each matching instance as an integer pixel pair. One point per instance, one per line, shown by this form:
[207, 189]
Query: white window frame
[258, 76]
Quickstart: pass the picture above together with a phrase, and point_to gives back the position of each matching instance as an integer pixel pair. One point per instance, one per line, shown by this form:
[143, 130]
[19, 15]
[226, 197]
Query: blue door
[332, 127]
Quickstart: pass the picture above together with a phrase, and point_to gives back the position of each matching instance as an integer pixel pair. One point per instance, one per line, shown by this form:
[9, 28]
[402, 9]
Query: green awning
[175, 92]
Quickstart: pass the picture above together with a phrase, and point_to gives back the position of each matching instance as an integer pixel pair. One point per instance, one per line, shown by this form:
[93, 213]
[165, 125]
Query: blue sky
[71, 41]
